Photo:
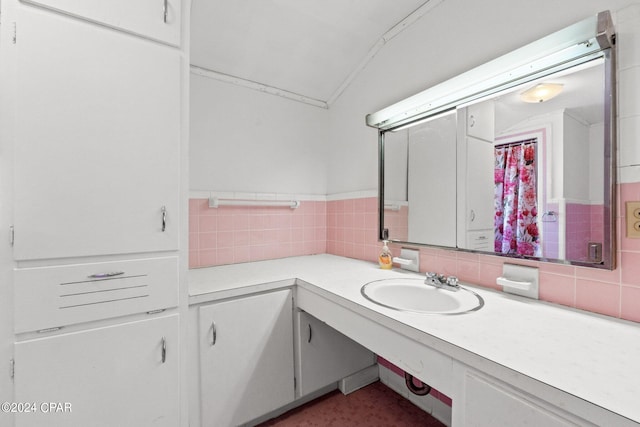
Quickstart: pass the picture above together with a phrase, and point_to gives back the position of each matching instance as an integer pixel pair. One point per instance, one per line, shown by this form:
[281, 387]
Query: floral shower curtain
[516, 229]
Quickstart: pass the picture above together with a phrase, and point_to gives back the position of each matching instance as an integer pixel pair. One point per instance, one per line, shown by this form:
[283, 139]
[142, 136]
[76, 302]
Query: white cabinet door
[480, 185]
[246, 358]
[97, 149]
[111, 376]
[487, 402]
[156, 19]
[481, 120]
[325, 355]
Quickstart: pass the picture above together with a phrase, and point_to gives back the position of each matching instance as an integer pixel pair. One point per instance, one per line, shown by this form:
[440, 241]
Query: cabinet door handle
[164, 349]
[164, 11]
[310, 333]
[214, 333]
[472, 215]
[164, 218]
[105, 275]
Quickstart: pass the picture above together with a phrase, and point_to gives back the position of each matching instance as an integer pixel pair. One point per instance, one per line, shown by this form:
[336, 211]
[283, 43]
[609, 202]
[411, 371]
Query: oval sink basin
[405, 294]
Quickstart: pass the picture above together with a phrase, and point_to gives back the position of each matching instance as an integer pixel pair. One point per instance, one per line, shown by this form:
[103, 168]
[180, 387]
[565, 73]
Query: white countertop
[592, 357]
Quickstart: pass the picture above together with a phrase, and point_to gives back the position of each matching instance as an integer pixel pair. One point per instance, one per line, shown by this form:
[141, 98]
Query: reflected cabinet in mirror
[514, 158]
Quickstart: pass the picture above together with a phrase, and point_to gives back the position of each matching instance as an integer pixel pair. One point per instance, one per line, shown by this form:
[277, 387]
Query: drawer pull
[164, 349]
[164, 218]
[105, 275]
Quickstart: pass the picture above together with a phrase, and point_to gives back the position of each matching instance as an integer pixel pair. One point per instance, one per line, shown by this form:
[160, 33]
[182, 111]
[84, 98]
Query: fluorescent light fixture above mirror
[574, 45]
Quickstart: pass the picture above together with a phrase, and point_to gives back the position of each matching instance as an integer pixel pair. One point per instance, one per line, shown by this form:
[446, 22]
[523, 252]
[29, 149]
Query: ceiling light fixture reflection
[541, 92]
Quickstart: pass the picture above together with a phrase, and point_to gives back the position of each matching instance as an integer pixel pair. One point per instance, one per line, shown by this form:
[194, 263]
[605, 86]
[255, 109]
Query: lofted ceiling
[306, 48]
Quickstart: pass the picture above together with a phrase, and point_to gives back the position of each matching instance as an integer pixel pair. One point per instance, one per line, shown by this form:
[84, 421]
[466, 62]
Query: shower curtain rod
[524, 141]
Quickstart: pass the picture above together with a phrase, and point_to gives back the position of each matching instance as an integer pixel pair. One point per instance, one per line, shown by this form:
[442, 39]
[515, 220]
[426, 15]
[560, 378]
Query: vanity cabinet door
[488, 402]
[122, 375]
[246, 357]
[97, 140]
[156, 19]
[325, 355]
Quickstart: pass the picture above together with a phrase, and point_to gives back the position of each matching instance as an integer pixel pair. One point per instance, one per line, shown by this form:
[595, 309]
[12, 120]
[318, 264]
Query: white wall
[243, 140]
[455, 36]
[396, 150]
[575, 142]
[628, 34]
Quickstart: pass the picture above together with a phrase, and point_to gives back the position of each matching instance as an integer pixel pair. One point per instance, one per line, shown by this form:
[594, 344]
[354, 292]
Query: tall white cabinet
[97, 90]
[98, 140]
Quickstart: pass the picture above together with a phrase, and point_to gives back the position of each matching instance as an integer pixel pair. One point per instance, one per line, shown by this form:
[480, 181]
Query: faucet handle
[453, 281]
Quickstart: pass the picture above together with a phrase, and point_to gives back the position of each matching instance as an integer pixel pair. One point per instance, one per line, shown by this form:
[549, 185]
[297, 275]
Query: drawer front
[49, 297]
[480, 240]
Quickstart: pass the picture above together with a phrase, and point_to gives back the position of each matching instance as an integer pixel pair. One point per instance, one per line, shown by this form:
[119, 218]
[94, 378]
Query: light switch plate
[633, 219]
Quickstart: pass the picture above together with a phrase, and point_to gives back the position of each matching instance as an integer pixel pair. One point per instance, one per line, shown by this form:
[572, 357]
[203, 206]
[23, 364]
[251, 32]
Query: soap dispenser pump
[385, 259]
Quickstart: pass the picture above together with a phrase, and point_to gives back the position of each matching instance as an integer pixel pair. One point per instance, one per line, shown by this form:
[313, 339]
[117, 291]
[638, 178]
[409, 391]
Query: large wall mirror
[514, 158]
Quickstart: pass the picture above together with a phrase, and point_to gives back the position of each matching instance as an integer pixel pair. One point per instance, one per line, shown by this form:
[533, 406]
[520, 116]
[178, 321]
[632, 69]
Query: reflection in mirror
[544, 161]
[531, 173]
[517, 161]
[416, 156]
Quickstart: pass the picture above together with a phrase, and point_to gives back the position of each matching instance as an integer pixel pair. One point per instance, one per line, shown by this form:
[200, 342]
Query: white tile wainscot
[538, 360]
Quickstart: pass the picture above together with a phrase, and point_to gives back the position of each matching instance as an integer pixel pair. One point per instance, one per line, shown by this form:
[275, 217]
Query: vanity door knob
[214, 333]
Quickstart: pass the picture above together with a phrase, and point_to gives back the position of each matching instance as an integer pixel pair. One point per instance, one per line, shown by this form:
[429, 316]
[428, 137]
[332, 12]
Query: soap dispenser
[385, 259]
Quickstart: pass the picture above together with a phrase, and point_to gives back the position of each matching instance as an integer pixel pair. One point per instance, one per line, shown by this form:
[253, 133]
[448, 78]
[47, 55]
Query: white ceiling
[310, 48]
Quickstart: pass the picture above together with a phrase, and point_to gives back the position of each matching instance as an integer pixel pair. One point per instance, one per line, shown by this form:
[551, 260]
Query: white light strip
[568, 47]
[425, 120]
[257, 86]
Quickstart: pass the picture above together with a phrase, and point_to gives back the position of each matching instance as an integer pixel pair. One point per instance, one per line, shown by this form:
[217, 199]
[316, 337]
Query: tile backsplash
[235, 234]
[348, 228]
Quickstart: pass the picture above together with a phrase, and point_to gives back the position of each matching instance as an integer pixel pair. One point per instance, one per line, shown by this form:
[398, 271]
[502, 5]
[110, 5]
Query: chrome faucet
[440, 281]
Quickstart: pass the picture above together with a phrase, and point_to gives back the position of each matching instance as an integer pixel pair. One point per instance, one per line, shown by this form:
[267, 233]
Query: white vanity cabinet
[324, 355]
[485, 401]
[156, 19]
[246, 357]
[118, 375]
[97, 139]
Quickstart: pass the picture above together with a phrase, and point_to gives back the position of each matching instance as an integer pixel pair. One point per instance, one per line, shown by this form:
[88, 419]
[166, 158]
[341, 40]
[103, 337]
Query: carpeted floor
[373, 406]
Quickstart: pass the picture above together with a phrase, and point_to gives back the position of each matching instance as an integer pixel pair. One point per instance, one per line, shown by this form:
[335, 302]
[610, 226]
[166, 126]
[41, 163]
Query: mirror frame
[577, 44]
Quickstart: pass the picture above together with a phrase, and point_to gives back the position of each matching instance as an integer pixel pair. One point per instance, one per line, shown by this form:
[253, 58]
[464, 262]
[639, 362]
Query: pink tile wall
[397, 222]
[231, 234]
[352, 226]
[597, 216]
[578, 231]
[550, 236]
[351, 232]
